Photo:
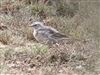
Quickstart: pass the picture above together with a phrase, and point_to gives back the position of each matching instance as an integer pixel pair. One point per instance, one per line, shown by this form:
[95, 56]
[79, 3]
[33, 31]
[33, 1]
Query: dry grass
[33, 58]
[19, 52]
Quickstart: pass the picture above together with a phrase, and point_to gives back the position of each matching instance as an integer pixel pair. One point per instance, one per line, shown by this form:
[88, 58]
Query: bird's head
[37, 25]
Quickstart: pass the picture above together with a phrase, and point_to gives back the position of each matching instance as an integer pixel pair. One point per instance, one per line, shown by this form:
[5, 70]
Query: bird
[46, 34]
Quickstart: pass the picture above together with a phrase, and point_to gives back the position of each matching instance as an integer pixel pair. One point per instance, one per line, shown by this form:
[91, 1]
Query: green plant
[39, 48]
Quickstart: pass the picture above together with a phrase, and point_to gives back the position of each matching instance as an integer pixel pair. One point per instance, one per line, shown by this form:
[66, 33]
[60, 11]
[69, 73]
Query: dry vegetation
[21, 54]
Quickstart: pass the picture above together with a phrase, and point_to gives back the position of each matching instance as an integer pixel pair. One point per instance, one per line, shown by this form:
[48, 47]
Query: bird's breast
[34, 33]
[40, 36]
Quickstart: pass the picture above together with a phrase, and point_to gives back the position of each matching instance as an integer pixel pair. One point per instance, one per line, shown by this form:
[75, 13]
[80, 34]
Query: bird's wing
[47, 32]
[58, 35]
[53, 34]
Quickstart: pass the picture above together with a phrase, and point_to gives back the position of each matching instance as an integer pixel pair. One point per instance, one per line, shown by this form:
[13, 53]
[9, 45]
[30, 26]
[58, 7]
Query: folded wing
[54, 34]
